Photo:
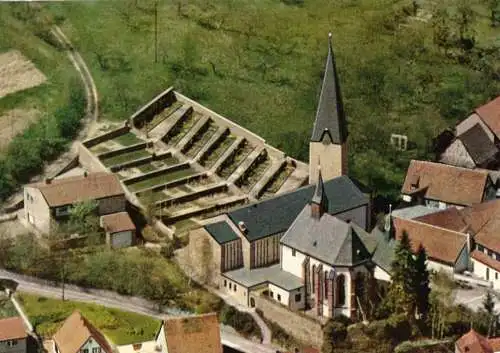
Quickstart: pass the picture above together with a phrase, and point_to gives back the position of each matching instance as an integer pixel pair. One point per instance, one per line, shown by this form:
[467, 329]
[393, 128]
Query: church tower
[328, 145]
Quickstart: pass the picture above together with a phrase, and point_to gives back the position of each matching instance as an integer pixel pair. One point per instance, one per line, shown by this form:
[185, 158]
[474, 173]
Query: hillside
[260, 63]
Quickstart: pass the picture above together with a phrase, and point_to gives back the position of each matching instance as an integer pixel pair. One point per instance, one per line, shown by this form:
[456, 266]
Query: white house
[78, 335]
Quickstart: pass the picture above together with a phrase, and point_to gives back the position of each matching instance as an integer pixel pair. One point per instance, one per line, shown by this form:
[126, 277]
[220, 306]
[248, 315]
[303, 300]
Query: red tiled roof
[69, 190]
[450, 218]
[490, 114]
[494, 343]
[75, 331]
[445, 183]
[478, 215]
[473, 342]
[117, 222]
[193, 334]
[440, 244]
[12, 328]
[486, 260]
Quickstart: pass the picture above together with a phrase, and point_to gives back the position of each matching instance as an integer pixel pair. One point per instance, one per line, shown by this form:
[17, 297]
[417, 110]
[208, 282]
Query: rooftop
[473, 342]
[490, 114]
[478, 144]
[272, 274]
[221, 232]
[445, 183]
[413, 212]
[60, 192]
[12, 328]
[117, 222]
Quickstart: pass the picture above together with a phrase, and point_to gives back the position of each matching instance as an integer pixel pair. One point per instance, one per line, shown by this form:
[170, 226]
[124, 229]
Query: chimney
[48, 180]
[242, 226]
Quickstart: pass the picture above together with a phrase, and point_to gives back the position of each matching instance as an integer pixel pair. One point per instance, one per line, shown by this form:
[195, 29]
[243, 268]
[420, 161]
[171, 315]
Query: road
[126, 303]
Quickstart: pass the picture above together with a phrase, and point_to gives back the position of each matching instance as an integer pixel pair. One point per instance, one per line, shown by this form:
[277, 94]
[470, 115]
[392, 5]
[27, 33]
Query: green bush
[241, 321]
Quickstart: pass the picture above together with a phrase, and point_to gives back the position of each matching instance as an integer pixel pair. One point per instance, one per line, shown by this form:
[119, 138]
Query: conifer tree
[421, 283]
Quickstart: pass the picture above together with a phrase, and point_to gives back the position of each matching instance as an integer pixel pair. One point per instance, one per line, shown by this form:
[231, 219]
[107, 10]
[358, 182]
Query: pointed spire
[330, 118]
[319, 200]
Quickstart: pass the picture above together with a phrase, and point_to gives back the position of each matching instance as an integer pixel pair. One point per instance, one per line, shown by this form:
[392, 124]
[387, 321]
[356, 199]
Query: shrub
[240, 321]
[167, 250]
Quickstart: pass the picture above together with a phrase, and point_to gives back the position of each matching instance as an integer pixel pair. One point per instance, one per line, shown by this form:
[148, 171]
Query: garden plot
[159, 164]
[254, 173]
[17, 73]
[125, 157]
[233, 161]
[218, 151]
[200, 139]
[161, 179]
[127, 139]
[181, 129]
[159, 118]
[199, 203]
[278, 180]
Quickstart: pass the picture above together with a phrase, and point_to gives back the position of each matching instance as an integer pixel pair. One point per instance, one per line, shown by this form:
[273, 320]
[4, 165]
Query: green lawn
[161, 179]
[127, 139]
[120, 327]
[260, 63]
[125, 157]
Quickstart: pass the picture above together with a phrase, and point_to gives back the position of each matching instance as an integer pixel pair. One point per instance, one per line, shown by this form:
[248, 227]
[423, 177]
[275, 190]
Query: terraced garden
[202, 166]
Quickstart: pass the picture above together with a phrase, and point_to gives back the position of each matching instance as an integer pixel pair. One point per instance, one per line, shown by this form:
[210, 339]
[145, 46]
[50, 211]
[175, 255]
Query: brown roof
[446, 183]
[75, 331]
[486, 260]
[80, 188]
[441, 244]
[450, 218]
[117, 222]
[494, 343]
[12, 328]
[490, 114]
[478, 215]
[473, 342]
[193, 334]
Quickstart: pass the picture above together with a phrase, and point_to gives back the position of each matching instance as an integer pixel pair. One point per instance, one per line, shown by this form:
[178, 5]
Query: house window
[298, 298]
[271, 294]
[225, 283]
[480, 248]
[279, 297]
[496, 275]
[229, 285]
[96, 350]
[12, 343]
[293, 252]
[85, 350]
[235, 287]
[62, 211]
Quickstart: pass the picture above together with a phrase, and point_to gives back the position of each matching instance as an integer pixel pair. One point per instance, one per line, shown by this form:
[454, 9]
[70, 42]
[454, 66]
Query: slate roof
[12, 328]
[445, 183]
[413, 211]
[383, 254]
[275, 215]
[473, 342]
[330, 116]
[490, 114]
[75, 331]
[221, 232]
[327, 239]
[74, 189]
[478, 144]
[272, 274]
[193, 334]
[440, 244]
[319, 193]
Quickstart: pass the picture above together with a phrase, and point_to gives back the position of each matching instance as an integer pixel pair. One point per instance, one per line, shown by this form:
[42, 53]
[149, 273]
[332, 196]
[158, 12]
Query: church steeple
[330, 121]
[319, 204]
[329, 137]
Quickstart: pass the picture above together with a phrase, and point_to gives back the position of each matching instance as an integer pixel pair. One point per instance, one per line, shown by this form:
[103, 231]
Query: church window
[340, 290]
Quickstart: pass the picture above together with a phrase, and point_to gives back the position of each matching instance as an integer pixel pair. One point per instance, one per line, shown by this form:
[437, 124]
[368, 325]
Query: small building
[13, 335]
[440, 186]
[473, 342]
[119, 228]
[190, 334]
[78, 335]
[51, 201]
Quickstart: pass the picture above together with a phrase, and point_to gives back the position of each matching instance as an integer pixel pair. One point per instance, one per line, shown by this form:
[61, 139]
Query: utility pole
[156, 31]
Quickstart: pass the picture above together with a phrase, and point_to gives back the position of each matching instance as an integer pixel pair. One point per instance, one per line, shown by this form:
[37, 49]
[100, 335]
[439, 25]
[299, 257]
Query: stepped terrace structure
[189, 163]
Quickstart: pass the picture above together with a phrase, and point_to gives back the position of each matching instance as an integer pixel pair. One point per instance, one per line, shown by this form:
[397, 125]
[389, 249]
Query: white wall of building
[436, 266]
[91, 346]
[161, 341]
[381, 275]
[481, 270]
[279, 294]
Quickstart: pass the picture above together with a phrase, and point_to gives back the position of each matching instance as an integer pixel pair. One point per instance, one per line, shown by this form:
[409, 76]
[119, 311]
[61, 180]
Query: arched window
[340, 290]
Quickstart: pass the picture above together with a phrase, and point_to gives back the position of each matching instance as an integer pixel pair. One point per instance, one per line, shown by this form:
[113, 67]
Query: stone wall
[158, 172]
[136, 147]
[296, 324]
[153, 107]
[88, 161]
[106, 136]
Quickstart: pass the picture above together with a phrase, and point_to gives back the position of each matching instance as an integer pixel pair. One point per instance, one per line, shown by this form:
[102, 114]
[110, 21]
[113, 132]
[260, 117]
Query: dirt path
[89, 122]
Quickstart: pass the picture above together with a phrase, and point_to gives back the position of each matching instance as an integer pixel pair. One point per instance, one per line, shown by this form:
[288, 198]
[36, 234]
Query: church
[310, 249]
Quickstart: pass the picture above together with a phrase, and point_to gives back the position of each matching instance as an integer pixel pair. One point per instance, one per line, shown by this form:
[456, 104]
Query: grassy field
[260, 63]
[120, 327]
[22, 29]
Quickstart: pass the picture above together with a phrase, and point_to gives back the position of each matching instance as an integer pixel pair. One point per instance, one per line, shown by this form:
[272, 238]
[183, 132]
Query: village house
[190, 334]
[49, 202]
[78, 335]
[13, 336]
[307, 248]
[475, 141]
[119, 228]
[473, 342]
[440, 186]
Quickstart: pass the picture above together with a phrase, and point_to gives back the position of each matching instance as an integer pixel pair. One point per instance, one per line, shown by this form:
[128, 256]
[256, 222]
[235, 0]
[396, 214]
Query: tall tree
[401, 296]
[489, 307]
[421, 282]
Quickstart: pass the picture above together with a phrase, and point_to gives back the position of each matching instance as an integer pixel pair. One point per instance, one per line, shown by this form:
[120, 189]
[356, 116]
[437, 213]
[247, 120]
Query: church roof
[478, 145]
[275, 215]
[327, 239]
[319, 196]
[330, 117]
